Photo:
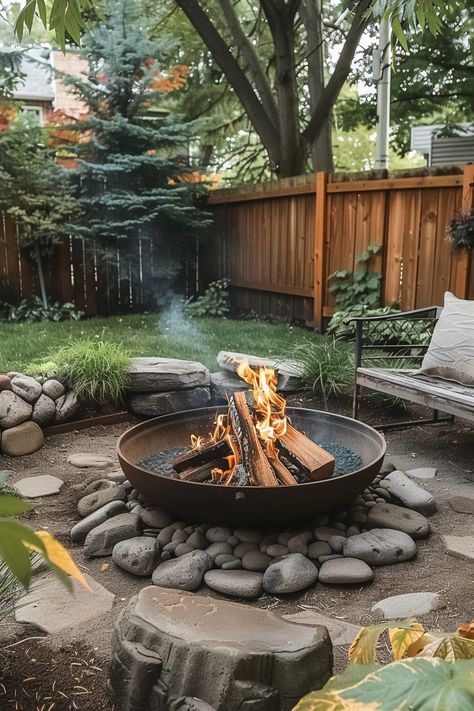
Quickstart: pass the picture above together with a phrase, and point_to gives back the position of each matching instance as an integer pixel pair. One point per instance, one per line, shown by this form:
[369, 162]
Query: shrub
[396, 331]
[461, 231]
[214, 302]
[33, 310]
[360, 286]
[327, 367]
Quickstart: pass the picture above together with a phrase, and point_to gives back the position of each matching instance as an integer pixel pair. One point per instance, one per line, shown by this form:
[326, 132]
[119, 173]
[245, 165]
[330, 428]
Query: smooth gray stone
[101, 540]
[91, 502]
[381, 546]
[138, 555]
[277, 549]
[34, 487]
[248, 535]
[87, 460]
[155, 517]
[216, 548]
[399, 519]
[319, 548]
[161, 403]
[82, 528]
[462, 504]
[256, 561]
[298, 544]
[44, 410]
[198, 540]
[223, 385]
[415, 604]
[237, 583]
[27, 388]
[184, 573]
[422, 473]
[461, 546]
[345, 571]
[242, 548]
[337, 543]
[13, 409]
[151, 374]
[324, 533]
[340, 632]
[218, 534]
[98, 485]
[66, 406]
[182, 549]
[293, 573]
[409, 493]
[53, 388]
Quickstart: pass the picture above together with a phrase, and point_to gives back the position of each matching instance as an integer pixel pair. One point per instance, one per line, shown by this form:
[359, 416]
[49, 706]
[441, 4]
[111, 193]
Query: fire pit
[248, 505]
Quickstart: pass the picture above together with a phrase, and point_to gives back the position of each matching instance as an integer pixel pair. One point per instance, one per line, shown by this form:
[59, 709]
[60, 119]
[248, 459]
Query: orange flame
[233, 460]
[220, 430]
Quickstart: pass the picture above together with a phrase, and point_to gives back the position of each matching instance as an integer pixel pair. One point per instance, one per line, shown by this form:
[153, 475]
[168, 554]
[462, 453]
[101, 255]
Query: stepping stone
[237, 583]
[461, 546]
[85, 460]
[51, 607]
[409, 492]
[340, 632]
[161, 403]
[183, 573]
[35, 487]
[399, 519]
[381, 546]
[234, 656]
[138, 555]
[163, 374]
[345, 571]
[293, 573]
[398, 607]
[422, 473]
[102, 539]
[462, 504]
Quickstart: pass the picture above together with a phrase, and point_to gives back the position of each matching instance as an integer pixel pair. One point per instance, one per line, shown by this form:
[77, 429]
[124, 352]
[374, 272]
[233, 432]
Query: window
[34, 111]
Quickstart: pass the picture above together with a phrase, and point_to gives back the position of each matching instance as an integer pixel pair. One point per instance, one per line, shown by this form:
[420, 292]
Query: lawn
[148, 335]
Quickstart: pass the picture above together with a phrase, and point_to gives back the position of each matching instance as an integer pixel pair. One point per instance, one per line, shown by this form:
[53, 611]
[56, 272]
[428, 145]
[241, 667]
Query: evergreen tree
[136, 179]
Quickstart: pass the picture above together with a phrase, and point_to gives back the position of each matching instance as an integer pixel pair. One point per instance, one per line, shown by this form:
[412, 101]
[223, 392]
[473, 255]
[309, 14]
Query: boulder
[174, 644]
[22, 439]
[101, 540]
[184, 573]
[165, 374]
[13, 409]
[291, 574]
[399, 519]
[289, 379]
[137, 555]
[161, 403]
[236, 583]
[66, 406]
[53, 388]
[44, 410]
[381, 546]
[27, 388]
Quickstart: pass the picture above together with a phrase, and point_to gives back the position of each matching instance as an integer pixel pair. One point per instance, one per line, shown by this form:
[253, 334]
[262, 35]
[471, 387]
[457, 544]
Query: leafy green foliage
[360, 287]
[398, 331]
[213, 303]
[93, 369]
[63, 16]
[461, 231]
[424, 14]
[326, 367]
[33, 310]
[415, 684]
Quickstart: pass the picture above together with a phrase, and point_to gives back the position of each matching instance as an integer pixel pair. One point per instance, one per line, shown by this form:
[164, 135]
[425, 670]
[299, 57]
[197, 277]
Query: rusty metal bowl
[248, 505]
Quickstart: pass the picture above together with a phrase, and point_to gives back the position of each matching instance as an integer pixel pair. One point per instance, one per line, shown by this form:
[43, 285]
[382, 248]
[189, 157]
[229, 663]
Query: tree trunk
[39, 265]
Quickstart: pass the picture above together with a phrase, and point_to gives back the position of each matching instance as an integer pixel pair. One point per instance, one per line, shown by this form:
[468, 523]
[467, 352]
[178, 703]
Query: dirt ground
[77, 660]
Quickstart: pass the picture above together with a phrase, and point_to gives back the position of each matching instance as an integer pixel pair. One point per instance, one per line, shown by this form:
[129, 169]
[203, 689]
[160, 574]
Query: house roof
[37, 84]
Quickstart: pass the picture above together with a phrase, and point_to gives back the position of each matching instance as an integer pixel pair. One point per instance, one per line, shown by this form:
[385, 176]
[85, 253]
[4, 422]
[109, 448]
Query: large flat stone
[86, 460]
[340, 632]
[462, 504]
[52, 608]
[164, 374]
[236, 583]
[224, 384]
[461, 546]
[33, 487]
[288, 373]
[161, 403]
[232, 657]
[398, 607]
[345, 571]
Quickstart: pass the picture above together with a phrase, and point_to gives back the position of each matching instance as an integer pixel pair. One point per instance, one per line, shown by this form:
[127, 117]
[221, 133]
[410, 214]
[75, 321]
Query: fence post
[319, 250]
[463, 258]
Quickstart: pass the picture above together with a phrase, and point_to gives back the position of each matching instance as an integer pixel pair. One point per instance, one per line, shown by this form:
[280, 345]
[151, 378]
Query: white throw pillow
[451, 352]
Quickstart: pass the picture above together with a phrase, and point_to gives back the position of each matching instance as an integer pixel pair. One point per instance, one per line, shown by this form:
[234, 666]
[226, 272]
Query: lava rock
[27, 388]
[380, 546]
[13, 409]
[22, 439]
[237, 583]
[345, 571]
[319, 548]
[53, 388]
[184, 573]
[101, 540]
[138, 555]
[82, 528]
[256, 561]
[97, 499]
[399, 519]
[409, 493]
[43, 410]
[293, 573]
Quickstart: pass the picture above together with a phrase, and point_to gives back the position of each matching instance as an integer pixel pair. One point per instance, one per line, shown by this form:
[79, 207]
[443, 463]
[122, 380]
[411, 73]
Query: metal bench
[376, 353]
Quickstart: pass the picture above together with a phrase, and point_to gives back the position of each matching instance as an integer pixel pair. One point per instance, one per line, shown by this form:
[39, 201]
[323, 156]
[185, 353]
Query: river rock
[162, 403]
[84, 460]
[237, 583]
[82, 528]
[215, 549]
[277, 549]
[27, 388]
[163, 374]
[13, 409]
[256, 561]
[101, 540]
[415, 604]
[293, 573]
[98, 485]
[5, 382]
[319, 548]
[43, 410]
[23, 439]
[94, 501]
[345, 571]
[324, 533]
[380, 546]
[184, 573]
[409, 493]
[53, 388]
[198, 540]
[399, 519]
[217, 534]
[298, 544]
[66, 406]
[155, 517]
[248, 535]
[137, 555]
[337, 543]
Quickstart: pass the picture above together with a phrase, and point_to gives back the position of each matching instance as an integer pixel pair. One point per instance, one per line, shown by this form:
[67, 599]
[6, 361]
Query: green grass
[198, 339]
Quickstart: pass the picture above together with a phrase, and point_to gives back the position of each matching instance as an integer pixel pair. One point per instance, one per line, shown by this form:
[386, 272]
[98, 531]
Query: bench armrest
[403, 315]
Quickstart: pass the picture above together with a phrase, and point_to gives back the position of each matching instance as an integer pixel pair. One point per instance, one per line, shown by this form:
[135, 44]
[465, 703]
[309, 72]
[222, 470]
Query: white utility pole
[382, 71]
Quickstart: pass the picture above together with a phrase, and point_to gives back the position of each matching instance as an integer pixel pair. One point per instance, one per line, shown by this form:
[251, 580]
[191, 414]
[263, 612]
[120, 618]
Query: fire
[232, 461]
[220, 431]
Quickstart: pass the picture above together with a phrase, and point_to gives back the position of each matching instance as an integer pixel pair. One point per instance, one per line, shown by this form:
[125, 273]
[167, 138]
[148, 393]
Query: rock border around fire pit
[340, 548]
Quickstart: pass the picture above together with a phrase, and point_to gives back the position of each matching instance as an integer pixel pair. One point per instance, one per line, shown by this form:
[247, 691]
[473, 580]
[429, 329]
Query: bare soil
[449, 447]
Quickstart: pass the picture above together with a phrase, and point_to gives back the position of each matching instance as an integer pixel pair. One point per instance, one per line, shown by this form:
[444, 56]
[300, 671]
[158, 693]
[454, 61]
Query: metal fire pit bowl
[248, 505]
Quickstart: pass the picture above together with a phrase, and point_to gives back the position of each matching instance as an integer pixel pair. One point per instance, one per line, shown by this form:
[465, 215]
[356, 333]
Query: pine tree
[136, 179]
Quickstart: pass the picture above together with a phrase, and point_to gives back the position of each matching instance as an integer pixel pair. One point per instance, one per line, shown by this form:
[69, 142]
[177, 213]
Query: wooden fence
[279, 242]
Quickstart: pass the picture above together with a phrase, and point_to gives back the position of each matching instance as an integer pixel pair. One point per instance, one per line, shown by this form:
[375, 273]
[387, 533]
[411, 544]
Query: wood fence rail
[279, 242]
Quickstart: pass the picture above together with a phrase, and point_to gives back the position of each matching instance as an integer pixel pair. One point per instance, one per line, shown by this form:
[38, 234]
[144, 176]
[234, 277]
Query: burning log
[283, 474]
[200, 473]
[204, 455]
[318, 463]
[252, 455]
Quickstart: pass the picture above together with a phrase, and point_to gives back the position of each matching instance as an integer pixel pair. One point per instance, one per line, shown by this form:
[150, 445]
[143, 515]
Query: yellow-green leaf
[450, 647]
[58, 556]
[402, 639]
[363, 648]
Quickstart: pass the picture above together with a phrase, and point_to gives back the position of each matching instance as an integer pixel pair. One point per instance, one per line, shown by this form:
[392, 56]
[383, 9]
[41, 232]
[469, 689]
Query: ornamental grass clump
[326, 367]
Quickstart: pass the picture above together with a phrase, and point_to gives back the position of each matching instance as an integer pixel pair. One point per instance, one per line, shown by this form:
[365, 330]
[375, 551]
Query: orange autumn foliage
[7, 114]
[197, 177]
[176, 79]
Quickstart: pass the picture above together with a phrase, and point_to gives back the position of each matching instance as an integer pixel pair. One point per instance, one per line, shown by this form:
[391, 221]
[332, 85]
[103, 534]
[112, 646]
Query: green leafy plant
[360, 286]
[461, 231]
[93, 369]
[33, 310]
[213, 303]
[327, 367]
[396, 331]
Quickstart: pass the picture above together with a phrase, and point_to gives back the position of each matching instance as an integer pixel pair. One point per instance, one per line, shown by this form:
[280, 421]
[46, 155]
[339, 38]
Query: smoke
[175, 326]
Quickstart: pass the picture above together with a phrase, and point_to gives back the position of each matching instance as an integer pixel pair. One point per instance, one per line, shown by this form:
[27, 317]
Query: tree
[133, 149]
[35, 191]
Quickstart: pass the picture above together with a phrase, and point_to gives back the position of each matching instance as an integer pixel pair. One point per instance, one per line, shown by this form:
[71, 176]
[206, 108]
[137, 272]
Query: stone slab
[288, 372]
[462, 504]
[461, 546]
[162, 403]
[164, 374]
[422, 473]
[231, 656]
[85, 460]
[224, 384]
[34, 487]
[398, 607]
[340, 632]
[50, 606]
